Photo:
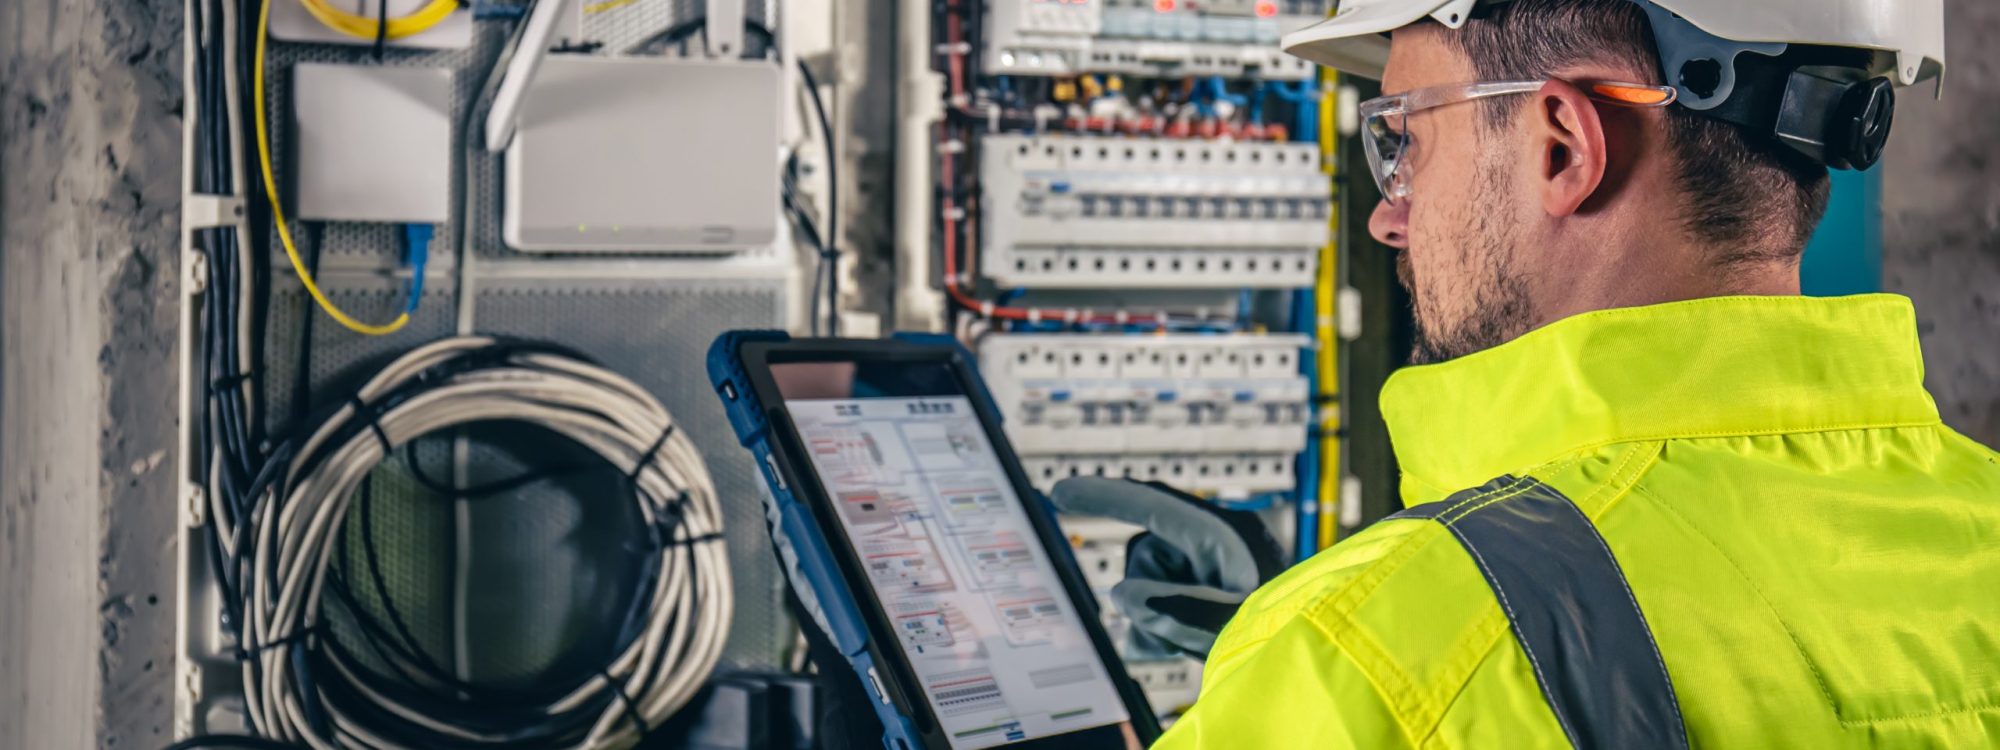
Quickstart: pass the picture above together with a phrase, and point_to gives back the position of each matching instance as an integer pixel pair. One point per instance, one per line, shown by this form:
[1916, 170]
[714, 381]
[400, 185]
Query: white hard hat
[1728, 58]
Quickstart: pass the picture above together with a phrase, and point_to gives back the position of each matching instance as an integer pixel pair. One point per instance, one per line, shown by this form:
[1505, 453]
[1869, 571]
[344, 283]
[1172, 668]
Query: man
[1657, 499]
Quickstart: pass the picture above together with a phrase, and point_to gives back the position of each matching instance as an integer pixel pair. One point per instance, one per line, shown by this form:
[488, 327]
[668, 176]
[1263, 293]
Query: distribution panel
[1068, 211]
[1230, 38]
[1211, 413]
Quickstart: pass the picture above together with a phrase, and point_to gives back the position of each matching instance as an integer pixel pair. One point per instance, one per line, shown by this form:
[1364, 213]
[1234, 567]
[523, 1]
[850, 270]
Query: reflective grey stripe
[1571, 610]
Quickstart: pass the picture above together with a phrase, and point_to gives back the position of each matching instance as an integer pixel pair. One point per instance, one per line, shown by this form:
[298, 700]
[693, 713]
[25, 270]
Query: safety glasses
[1386, 139]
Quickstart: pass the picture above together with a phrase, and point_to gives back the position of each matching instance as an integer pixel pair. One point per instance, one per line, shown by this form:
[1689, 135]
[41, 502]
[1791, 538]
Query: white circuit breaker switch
[373, 143]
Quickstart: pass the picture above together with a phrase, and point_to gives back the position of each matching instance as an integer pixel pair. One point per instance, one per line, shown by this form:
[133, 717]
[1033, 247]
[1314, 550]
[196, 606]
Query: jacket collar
[1709, 367]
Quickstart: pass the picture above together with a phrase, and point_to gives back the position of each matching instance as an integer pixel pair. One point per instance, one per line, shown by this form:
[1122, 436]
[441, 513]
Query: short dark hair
[1746, 195]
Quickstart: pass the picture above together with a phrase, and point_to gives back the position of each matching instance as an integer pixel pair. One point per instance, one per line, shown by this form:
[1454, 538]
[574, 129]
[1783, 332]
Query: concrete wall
[1941, 220]
[89, 198]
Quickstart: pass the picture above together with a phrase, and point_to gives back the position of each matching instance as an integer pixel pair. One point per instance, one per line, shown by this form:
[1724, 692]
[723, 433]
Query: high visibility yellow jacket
[1784, 547]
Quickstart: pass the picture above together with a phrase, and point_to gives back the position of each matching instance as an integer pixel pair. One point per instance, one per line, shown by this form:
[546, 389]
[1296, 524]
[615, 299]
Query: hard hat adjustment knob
[1860, 126]
[1701, 77]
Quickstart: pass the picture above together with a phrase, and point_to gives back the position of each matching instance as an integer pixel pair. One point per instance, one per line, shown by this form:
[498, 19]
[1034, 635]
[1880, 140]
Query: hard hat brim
[1356, 39]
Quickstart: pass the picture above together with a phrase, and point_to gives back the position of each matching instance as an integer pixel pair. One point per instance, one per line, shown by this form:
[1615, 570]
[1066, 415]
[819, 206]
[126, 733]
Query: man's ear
[1573, 155]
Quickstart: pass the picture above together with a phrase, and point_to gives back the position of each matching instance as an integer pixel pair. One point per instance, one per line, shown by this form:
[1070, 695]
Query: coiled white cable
[436, 387]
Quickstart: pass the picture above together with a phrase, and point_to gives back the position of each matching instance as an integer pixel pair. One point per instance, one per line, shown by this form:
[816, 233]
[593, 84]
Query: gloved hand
[1190, 570]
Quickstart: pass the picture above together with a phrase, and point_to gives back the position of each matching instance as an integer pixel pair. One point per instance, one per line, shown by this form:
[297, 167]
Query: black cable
[830, 251]
[315, 236]
[671, 35]
[809, 232]
[231, 742]
[489, 489]
[381, 28]
[227, 440]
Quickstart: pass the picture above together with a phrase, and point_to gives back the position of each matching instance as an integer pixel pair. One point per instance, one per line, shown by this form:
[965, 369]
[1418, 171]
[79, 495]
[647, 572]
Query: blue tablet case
[802, 545]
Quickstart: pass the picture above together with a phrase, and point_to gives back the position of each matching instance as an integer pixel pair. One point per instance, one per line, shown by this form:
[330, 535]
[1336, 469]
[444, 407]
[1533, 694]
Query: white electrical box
[645, 155]
[1168, 38]
[1224, 414]
[1064, 211]
[373, 143]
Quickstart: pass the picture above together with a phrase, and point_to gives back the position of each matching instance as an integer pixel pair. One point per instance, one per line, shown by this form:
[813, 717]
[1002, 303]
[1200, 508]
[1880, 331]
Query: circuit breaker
[1220, 414]
[1098, 212]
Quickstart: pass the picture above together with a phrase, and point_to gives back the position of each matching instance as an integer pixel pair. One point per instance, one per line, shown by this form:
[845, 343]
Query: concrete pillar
[1941, 220]
[90, 102]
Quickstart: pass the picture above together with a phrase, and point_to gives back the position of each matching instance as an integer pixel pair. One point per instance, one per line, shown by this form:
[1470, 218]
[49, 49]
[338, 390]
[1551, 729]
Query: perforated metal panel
[340, 357]
[529, 587]
[547, 574]
[657, 333]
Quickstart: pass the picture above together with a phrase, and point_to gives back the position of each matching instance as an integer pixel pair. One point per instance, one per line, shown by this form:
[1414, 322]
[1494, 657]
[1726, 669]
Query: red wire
[956, 64]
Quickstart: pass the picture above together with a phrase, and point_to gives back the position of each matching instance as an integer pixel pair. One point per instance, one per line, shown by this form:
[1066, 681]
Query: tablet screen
[949, 551]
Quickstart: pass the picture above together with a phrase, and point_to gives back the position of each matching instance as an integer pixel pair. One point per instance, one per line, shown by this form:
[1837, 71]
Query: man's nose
[1391, 224]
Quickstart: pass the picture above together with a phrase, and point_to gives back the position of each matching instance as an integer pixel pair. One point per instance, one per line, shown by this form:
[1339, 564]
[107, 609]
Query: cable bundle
[303, 687]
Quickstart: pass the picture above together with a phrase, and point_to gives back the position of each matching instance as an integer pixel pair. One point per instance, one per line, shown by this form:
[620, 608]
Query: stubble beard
[1501, 308]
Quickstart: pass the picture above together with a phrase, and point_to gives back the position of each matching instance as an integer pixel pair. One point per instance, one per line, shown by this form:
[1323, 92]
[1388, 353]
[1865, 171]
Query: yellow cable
[1325, 334]
[363, 27]
[278, 212]
[607, 5]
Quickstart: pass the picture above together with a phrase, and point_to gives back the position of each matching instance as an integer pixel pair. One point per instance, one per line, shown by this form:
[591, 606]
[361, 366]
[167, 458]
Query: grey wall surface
[1941, 220]
[89, 202]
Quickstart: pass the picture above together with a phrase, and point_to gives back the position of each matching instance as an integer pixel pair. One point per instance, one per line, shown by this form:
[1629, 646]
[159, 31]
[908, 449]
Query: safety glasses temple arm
[1609, 92]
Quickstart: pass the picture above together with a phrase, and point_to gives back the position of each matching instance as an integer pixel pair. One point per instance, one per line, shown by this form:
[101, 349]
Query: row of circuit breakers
[1222, 415]
[1067, 211]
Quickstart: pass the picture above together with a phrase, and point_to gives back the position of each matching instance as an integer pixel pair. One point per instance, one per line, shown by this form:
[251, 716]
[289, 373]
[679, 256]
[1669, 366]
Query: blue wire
[1253, 503]
[1309, 468]
[1305, 99]
[1218, 90]
[417, 255]
[1308, 111]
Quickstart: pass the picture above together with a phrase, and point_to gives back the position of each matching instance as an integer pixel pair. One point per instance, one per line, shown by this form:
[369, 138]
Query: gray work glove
[1190, 570]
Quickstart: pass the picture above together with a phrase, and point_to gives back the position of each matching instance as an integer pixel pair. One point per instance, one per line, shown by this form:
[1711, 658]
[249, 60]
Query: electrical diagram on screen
[911, 547]
[952, 557]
